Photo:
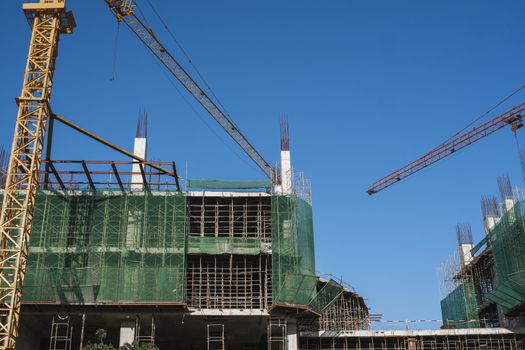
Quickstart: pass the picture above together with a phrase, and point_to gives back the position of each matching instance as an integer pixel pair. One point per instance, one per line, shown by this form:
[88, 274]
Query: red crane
[512, 118]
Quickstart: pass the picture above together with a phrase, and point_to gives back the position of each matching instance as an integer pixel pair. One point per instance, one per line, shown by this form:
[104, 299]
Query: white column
[508, 203]
[139, 149]
[465, 255]
[286, 172]
[127, 332]
[292, 341]
[489, 222]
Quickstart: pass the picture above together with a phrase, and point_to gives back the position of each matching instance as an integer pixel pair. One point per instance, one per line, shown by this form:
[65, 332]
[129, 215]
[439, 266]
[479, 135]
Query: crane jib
[513, 117]
[123, 10]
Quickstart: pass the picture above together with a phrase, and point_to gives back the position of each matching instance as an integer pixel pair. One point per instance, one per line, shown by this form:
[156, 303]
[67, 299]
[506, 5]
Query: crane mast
[48, 19]
[513, 118]
[123, 10]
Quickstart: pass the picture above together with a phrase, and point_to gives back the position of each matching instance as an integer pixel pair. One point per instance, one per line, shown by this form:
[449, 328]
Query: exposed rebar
[142, 124]
[489, 206]
[285, 136]
[522, 161]
[505, 188]
[464, 234]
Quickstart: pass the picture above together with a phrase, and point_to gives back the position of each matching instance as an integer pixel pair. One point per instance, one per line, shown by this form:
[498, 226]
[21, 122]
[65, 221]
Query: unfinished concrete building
[216, 264]
[123, 253]
[484, 284]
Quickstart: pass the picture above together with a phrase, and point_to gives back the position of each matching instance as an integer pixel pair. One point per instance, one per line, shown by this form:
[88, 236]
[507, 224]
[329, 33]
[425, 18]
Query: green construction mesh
[226, 245]
[459, 308]
[293, 261]
[229, 184]
[508, 247]
[480, 245]
[326, 296]
[106, 247]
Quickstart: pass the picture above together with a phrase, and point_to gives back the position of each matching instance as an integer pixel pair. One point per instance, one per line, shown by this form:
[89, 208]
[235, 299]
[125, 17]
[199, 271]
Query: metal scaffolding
[229, 216]
[411, 342]
[61, 333]
[215, 336]
[276, 330]
[346, 313]
[228, 282]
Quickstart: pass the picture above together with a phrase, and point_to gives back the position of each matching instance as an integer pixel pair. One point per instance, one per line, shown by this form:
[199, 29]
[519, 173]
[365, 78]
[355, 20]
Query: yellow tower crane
[48, 19]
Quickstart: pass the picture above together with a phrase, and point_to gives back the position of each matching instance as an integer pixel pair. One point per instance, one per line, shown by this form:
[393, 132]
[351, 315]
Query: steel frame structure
[512, 117]
[102, 175]
[48, 20]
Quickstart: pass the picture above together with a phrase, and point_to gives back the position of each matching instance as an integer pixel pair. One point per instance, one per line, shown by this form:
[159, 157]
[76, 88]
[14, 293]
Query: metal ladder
[276, 334]
[215, 336]
[61, 333]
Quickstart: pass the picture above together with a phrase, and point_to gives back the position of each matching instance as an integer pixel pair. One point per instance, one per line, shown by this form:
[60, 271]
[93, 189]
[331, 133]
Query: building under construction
[127, 252]
[195, 264]
[484, 284]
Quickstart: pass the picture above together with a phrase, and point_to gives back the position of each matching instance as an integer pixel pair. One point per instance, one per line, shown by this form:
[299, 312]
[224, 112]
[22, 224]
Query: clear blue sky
[367, 86]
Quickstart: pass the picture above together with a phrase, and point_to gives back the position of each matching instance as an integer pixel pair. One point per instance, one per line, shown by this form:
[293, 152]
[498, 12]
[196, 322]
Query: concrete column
[127, 332]
[465, 255]
[508, 203]
[412, 344]
[139, 149]
[489, 222]
[286, 172]
[292, 339]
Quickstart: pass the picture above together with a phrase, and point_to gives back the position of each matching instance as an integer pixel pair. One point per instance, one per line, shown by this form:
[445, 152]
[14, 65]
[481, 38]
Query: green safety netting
[229, 184]
[480, 245]
[293, 261]
[508, 248]
[326, 296]
[103, 247]
[226, 245]
[459, 308]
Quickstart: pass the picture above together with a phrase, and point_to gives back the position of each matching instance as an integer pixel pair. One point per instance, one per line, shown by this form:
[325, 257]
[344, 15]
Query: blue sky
[368, 86]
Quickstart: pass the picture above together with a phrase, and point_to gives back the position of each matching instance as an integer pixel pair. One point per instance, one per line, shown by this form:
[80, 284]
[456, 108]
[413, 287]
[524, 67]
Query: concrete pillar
[292, 339]
[286, 172]
[127, 332]
[508, 203]
[465, 255]
[139, 149]
[412, 344]
[489, 222]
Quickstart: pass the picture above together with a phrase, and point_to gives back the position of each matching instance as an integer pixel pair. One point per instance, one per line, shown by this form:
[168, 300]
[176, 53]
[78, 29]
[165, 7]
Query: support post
[82, 331]
[292, 341]
[127, 332]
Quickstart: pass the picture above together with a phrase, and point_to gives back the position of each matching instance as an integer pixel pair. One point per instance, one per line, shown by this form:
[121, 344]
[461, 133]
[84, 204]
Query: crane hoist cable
[513, 118]
[188, 58]
[115, 52]
[124, 11]
[201, 118]
[490, 110]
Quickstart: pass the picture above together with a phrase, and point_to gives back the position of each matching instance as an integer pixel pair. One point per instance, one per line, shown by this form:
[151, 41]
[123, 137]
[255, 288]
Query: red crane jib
[512, 117]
